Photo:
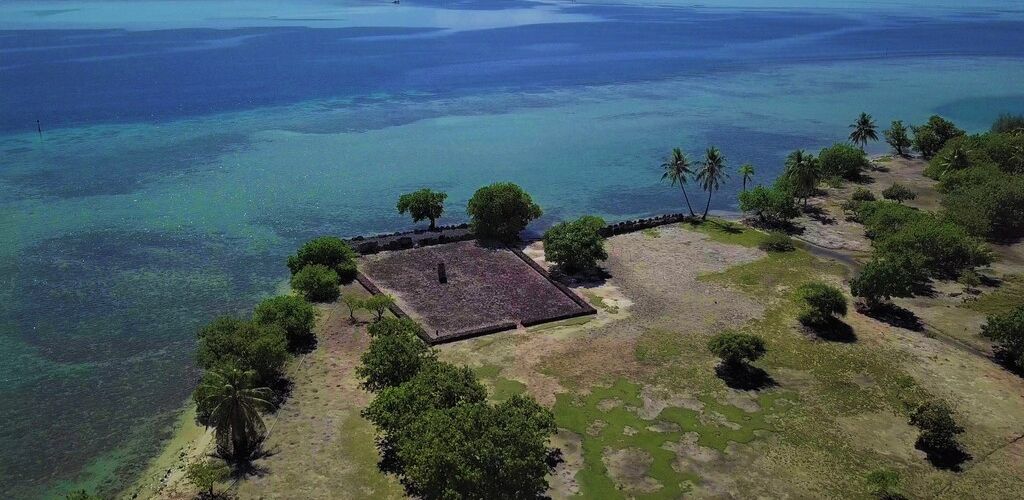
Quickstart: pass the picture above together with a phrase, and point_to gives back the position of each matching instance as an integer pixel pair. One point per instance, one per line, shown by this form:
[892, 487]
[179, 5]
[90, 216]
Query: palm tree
[677, 171]
[747, 171]
[235, 405]
[956, 159]
[711, 174]
[863, 130]
[802, 172]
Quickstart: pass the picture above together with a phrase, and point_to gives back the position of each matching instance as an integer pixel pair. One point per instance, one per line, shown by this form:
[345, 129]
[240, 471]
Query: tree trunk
[706, 207]
[744, 184]
[432, 225]
[683, 188]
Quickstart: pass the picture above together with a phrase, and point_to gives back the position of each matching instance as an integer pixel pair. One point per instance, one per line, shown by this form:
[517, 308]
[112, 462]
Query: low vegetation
[843, 161]
[821, 304]
[1007, 332]
[777, 241]
[898, 193]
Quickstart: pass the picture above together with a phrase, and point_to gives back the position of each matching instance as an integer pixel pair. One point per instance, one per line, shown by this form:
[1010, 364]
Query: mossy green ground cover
[1008, 296]
[501, 388]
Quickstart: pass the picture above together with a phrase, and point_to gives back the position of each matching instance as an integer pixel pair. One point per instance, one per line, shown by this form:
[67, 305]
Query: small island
[857, 332]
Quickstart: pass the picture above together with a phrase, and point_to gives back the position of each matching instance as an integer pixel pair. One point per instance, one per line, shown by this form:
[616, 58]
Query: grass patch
[1007, 297]
[658, 346]
[723, 231]
[651, 233]
[603, 426]
[581, 320]
[501, 387]
[599, 302]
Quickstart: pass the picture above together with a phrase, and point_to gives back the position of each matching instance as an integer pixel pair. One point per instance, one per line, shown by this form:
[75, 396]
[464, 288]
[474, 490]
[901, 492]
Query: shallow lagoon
[178, 167]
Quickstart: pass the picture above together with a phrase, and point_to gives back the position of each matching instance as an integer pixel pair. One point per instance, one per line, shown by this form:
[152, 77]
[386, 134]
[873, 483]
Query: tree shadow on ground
[787, 227]
[951, 459]
[591, 278]
[303, 346]
[242, 469]
[282, 388]
[893, 315]
[744, 377]
[834, 330]
[819, 214]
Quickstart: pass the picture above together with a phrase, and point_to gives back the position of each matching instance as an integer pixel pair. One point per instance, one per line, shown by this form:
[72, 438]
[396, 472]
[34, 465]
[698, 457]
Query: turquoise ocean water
[189, 146]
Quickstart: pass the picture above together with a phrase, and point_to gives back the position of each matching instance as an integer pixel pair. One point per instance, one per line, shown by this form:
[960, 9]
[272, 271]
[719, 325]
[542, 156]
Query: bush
[885, 484]
[885, 277]
[81, 495]
[986, 202]
[245, 345]
[821, 303]
[737, 349]
[293, 314]
[423, 205]
[576, 245]
[772, 206]
[938, 427]
[898, 138]
[777, 241]
[353, 303]
[898, 193]
[843, 160]
[379, 304]
[205, 474]
[326, 251]
[862, 194]
[317, 283]
[394, 326]
[884, 218]
[945, 249]
[1007, 332]
[930, 138]
[1007, 123]
[501, 211]
[393, 357]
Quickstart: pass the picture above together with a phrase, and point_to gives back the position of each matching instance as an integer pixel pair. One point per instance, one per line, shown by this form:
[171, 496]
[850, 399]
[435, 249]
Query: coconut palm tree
[863, 130]
[956, 159]
[235, 411]
[677, 171]
[747, 171]
[712, 173]
[802, 173]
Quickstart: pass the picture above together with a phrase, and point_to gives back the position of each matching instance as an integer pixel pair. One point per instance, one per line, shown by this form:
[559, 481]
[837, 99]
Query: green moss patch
[1008, 296]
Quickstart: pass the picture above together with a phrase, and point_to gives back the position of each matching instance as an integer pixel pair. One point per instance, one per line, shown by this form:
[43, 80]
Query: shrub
[423, 205]
[885, 484]
[938, 427]
[353, 303]
[326, 251]
[576, 245]
[293, 314]
[1007, 123]
[883, 218]
[898, 138]
[379, 304]
[317, 283]
[1007, 332]
[862, 194]
[736, 348]
[843, 160]
[945, 249]
[821, 303]
[501, 211]
[245, 345]
[393, 358]
[777, 241]
[772, 206]
[393, 326]
[932, 136]
[986, 202]
[885, 277]
[205, 474]
[81, 495]
[898, 193]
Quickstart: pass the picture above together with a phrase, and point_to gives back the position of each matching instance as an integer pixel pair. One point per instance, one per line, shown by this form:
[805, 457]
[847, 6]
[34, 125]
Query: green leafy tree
[736, 349]
[777, 241]
[245, 345]
[864, 130]
[205, 474]
[317, 283]
[1007, 332]
[435, 385]
[478, 451]
[81, 495]
[353, 303]
[885, 277]
[885, 484]
[235, 404]
[821, 303]
[843, 160]
[746, 171]
[379, 304]
[677, 171]
[423, 205]
[772, 206]
[957, 158]
[930, 138]
[711, 175]
[899, 138]
[327, 251]
[576, 245]
[394, 356]
[501, 211]
[938, 427]
[898, 193]
[390, 326]
[1008, 124]
[802, 174]
[293, 314]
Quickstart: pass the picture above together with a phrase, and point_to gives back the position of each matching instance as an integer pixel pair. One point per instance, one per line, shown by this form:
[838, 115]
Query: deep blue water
[185, 154]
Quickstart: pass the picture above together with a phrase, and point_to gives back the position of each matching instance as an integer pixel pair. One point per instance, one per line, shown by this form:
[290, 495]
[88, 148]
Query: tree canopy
[326, 251]
[771, 205]
[898, 138]
[235, 403]
[293, 314]
[864, 130]
[576, 245]
[1007, 332]
[242, 344]
[501, 211]
[821, 303]
[737, 348]
[843, 161]
[317, 283]
[395, 355]
[423, 204]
